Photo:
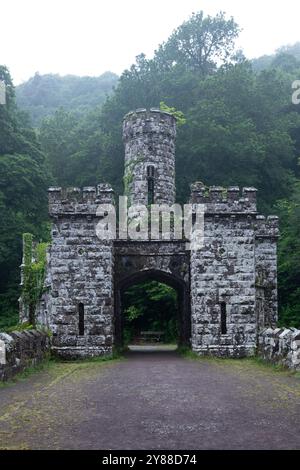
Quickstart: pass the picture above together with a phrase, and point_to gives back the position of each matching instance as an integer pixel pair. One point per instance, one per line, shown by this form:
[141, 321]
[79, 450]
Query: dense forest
[42, 95]
[241, 128]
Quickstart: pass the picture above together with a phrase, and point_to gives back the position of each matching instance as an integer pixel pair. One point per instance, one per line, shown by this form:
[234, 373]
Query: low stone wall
[280, 346]
[226, 351]
[73, 353]
[19, 350]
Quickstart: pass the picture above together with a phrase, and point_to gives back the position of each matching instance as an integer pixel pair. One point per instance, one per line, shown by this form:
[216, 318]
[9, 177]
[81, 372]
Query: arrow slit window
[150, 180]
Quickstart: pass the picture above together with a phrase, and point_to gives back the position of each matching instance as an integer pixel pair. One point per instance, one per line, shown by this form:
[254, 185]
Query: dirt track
[152, 401]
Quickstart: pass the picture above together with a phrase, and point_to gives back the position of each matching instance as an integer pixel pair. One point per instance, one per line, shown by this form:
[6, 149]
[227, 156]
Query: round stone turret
[149, 139]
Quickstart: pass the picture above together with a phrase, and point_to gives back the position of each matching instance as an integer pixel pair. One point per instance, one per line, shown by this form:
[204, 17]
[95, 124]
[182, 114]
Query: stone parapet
[267, 227]
[79, 201]
[280, 346]
[20, 350]
[224, 200]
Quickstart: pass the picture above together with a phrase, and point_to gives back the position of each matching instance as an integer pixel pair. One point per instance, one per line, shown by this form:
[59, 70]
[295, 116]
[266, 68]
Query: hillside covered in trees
[42, 95]
[241, 128]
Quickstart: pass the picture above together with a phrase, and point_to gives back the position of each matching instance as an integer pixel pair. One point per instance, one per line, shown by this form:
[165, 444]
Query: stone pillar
[266, 236]
[149, 138]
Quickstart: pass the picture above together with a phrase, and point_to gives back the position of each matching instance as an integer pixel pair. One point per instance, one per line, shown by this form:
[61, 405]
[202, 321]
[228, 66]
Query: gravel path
[152, 400]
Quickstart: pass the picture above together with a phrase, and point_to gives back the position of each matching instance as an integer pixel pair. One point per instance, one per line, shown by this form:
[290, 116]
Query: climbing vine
[128, 176]
[34, 270]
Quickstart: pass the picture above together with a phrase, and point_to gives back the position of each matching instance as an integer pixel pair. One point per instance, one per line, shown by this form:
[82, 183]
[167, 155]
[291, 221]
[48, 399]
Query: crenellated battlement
[224, 200]
[72, 201]
[267, 227]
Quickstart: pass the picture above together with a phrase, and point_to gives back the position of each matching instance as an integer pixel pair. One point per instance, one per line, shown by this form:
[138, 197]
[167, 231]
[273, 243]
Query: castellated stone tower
[149, 139]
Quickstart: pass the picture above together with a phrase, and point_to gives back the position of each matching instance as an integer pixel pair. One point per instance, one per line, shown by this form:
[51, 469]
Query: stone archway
[164, 261]
[181, 287]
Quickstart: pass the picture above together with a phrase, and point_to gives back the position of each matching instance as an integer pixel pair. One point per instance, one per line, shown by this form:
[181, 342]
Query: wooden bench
[155, 336]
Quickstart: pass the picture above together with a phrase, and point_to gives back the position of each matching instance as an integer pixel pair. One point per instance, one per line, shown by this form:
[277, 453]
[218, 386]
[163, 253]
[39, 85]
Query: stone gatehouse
[227, 291]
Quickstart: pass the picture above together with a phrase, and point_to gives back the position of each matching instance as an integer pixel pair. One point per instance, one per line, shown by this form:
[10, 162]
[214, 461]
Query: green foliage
[23, 197]
[34, 271]
[150, 306]
[19, 327]
[285, 57]
[9, 315]
[180, 119]
[132, 313]
[187, 353]
[199, 43]
[42, 95]
[289, 260]
[128, 175]
[27, 248]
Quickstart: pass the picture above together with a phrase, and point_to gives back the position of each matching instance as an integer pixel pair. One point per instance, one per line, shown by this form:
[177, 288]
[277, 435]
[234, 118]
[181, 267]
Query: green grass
[254, 361]
[263, 363]
[50, 362]
[46, 364]
[186, 352]
[19, 327]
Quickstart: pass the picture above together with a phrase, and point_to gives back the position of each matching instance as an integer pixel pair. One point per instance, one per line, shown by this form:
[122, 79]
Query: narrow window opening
[150, 191]
[223, 319]
[150, 177]
[150, 171]
[81, 319]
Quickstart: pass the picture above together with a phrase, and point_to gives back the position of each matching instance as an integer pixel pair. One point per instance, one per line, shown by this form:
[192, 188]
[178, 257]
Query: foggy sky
[89, 37]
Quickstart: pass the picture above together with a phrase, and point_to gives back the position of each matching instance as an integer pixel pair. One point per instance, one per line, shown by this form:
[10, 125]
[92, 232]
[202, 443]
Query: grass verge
[257, 361]
[48, 363]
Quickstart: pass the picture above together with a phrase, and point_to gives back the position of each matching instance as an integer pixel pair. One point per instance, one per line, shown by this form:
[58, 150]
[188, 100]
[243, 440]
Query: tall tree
[23, 182]
[200, 43]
